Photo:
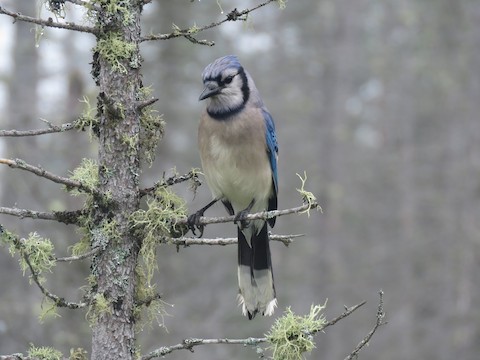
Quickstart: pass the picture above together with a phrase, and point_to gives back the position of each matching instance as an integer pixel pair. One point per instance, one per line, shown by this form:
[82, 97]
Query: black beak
[210, 89]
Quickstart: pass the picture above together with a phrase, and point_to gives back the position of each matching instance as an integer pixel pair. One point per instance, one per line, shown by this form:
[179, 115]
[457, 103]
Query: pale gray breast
[234, 158]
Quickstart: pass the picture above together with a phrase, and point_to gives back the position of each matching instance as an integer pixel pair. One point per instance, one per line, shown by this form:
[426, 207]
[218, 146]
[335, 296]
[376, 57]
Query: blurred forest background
[377, 100]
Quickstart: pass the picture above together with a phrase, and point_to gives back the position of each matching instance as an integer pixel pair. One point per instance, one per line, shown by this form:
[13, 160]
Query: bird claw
[241, 218]
[193, 223]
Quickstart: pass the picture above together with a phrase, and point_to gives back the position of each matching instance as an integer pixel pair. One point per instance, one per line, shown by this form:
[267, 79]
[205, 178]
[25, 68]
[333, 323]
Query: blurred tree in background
[377, 100]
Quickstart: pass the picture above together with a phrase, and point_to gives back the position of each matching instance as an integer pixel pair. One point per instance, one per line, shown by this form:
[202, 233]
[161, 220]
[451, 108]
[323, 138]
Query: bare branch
[51, 129]
[20, 164]
[49, 22]
[187, 241]
[188, 344]
[66, 217]
[233, 15]
[380, 321]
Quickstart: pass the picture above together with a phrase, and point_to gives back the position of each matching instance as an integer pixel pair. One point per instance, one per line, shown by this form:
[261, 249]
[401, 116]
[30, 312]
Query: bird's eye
[228, 79]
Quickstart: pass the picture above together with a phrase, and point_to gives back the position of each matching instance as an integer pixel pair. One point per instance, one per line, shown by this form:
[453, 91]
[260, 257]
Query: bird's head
[225, 85]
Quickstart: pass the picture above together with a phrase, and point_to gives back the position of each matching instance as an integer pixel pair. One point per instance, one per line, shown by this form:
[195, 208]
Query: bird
[239, 153]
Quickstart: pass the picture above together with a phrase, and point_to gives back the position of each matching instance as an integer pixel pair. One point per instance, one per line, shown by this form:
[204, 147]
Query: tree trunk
[119, 169]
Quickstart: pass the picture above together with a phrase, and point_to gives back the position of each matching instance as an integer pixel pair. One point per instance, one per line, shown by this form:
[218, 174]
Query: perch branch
[264, 215]
[49, 22]
[188, 344]
[233, 15]
[187, 241]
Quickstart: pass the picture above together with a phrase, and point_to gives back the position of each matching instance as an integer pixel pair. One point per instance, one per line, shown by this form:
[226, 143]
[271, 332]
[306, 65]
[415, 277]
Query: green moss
[114, 49]
[292, 335]
[44, 353]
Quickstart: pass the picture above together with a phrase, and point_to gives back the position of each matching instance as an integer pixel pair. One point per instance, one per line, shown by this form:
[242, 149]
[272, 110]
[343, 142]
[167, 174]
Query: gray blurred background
[378, 100]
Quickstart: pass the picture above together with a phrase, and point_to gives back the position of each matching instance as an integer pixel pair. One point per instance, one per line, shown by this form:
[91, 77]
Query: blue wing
[272, 150]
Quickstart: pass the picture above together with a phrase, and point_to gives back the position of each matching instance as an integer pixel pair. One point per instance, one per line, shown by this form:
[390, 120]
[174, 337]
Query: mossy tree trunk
[116, 69]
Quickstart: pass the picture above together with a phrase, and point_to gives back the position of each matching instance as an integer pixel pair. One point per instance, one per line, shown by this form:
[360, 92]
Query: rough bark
[119, 169]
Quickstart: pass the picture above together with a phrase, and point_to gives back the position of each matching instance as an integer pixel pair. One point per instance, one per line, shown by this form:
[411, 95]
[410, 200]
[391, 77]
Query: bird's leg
[240, 217]
[194, 218]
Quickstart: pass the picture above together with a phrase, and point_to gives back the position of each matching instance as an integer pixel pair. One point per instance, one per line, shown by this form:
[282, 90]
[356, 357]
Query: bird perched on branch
[239, 151]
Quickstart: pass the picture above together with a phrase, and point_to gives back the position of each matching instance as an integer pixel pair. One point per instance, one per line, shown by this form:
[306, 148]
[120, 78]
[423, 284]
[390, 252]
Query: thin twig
[188, 344]
[51, 129]
[187, 241]
[380, 321]
[49, 22]
[233, 15]
[66, 217]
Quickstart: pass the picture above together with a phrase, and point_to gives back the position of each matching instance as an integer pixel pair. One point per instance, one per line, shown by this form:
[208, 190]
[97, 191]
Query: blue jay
[239, 152]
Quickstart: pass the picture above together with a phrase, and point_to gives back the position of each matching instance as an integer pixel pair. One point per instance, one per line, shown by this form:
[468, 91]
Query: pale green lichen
[149, 308]
[87, 175]
[112, 8]
[44, 353]
[99, 306]
[40, 255]
[155, 222]
[48, 310]
[87, 119]
[152, 127]
[282, 4]
[307, 196]
[78, 354]
[114, 49]
[292, 335]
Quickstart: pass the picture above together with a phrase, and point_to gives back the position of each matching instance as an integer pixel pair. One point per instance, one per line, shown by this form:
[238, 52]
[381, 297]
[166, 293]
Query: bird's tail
[255, 276]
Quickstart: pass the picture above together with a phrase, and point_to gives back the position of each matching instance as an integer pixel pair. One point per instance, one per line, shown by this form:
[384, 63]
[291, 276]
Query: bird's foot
[193, 223]
[240, 219]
